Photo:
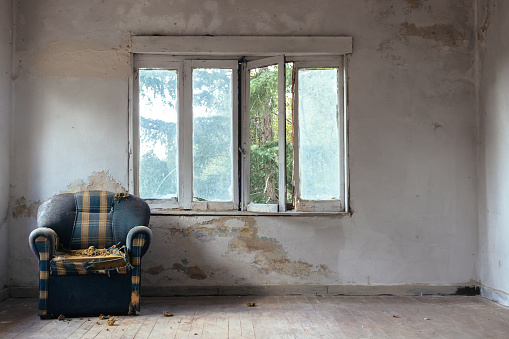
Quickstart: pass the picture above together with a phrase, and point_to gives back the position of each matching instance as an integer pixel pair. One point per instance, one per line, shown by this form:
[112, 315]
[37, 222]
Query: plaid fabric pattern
[93, 220]
[138, 243]
[43, 246]
[60, 267]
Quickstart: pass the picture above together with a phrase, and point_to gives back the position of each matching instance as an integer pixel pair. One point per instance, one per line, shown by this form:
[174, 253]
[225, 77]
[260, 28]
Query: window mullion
[244, 145]
[282, 133]
[186, 138]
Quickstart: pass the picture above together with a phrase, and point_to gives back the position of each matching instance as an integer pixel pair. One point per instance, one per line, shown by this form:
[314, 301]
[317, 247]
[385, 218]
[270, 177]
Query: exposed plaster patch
[445, 34]
[193, 272]
[483, 30]
[97, 181]
[81, 59]
[24, 209]
[270, 256]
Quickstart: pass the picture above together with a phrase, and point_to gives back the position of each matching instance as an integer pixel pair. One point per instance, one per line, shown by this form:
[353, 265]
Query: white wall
[494, 149]
[412, 139]
[5, 131]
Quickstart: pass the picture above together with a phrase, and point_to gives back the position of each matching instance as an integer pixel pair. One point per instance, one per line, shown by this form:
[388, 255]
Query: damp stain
[270, 255]
[414, 3]
[445, 34]
[483, 29]
[97, 181]
[193, 272]
[23, 208]
[155, 270]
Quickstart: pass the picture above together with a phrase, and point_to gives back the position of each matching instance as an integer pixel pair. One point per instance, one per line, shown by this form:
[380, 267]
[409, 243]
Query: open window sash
[247, 204]
[303, 121]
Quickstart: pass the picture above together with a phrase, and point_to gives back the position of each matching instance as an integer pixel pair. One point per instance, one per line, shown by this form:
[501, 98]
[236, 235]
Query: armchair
[89, 245]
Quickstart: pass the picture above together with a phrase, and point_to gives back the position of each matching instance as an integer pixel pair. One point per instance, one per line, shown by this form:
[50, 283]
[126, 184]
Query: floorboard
[274, 317]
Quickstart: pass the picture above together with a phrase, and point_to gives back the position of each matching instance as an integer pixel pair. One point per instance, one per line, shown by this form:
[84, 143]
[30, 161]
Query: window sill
[172, 212]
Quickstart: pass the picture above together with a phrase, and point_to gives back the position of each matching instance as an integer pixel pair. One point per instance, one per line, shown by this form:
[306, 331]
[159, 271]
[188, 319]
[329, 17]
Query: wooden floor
[275, 317]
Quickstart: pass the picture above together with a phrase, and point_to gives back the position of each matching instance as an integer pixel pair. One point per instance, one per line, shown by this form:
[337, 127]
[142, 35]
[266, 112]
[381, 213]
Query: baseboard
[495, 295]
[284, 290]
[281, 290]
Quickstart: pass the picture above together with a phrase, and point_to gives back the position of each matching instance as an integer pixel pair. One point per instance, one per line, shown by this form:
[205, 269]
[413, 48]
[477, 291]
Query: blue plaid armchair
[89, 245]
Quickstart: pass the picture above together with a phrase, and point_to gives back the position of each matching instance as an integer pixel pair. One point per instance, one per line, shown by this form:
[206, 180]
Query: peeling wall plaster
[412, 183]
[97, 181]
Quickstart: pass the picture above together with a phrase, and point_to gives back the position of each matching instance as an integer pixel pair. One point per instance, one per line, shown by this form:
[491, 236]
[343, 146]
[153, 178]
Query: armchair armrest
[43, 242]
[138, 242]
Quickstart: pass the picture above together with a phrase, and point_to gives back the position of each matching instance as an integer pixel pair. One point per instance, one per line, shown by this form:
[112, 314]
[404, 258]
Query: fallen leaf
[167, 314]
[110, 321]
[61, 317]
[251, 304]
[396, 316]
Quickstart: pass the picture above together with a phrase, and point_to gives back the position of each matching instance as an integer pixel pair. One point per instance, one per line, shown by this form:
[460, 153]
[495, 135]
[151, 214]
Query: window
[239, 129]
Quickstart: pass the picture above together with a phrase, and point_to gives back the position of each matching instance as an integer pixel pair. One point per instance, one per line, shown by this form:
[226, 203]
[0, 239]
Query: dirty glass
[212, 134]
[158, 159]
[319, 153]
[264, 135]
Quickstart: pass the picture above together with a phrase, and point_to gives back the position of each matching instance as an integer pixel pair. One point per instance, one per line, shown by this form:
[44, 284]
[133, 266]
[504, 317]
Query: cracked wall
[412, 140]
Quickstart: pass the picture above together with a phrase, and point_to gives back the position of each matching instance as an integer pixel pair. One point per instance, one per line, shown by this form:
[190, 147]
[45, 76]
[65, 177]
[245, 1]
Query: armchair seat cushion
[91, 261]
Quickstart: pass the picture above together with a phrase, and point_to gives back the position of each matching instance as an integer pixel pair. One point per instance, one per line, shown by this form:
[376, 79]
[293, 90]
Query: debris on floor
[167, 314]
[396, 316]
[61, 317]
[251, 304]
[427, 319]
[110, 321]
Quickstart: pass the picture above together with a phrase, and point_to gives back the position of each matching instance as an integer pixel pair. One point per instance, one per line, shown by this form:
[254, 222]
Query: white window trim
[229, 47]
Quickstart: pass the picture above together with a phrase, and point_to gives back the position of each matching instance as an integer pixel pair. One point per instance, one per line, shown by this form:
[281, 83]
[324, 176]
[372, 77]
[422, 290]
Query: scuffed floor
[274, 317]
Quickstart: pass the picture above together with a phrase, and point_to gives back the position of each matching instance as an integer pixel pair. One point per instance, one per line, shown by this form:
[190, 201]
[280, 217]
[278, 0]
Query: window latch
[242, 150]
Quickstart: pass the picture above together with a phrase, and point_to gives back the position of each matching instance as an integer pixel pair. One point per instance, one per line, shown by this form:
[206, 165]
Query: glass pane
[264, 135]
[318, 134]
[212, 134]
[158, 177]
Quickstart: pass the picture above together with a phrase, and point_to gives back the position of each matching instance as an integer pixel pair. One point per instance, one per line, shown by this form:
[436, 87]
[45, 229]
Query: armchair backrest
[93, 218]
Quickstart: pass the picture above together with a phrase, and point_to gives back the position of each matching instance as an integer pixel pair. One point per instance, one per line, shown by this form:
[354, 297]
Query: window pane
[264, 135]
[158, 177]
[318, 134]
[212, 134]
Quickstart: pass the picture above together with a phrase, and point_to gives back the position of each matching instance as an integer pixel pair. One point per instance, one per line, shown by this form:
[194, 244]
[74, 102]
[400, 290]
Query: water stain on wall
[446, 34]
[22, 208]
[414, 3]
[97, 181]
[483, 30]
[270, 255]
[81, 59]
[193, 272]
